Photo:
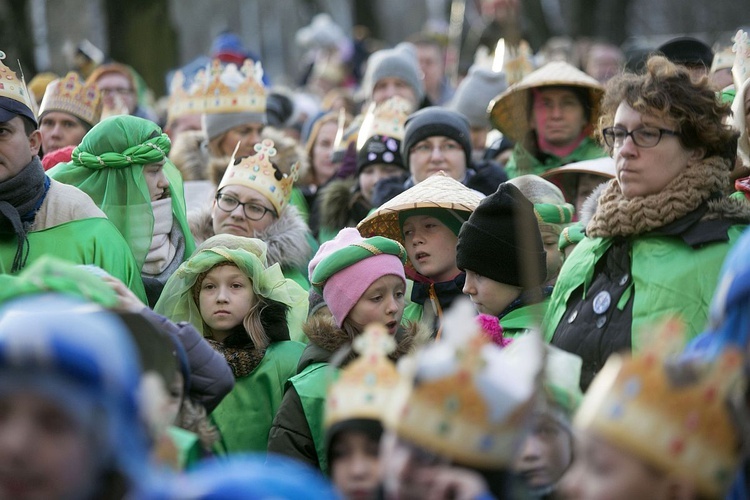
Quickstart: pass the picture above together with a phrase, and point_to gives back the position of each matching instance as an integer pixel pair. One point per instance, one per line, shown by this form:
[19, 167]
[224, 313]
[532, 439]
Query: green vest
[311, 385]
[524, 319]
[666, 275]
[522, 162]
[245, 415]
[84, 241]
[188, 447]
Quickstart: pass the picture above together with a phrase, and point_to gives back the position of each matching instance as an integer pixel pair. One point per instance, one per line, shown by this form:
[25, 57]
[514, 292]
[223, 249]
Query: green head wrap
[453, 219]
[552, 213]
[108, 166]
[249, 255]
[570, 236]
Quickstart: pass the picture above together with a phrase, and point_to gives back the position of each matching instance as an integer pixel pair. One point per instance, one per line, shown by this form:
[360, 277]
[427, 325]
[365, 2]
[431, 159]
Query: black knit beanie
[500, 237]
[380, 149]
[436, 121]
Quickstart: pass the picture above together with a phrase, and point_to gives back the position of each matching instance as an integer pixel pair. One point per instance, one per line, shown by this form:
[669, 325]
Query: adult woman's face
[321, 154]
[647, 171]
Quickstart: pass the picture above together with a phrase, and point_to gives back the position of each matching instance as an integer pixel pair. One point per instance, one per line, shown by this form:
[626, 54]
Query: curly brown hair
[666, 91]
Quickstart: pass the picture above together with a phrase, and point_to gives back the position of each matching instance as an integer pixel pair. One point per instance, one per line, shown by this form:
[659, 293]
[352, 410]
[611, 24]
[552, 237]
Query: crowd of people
[375, 284]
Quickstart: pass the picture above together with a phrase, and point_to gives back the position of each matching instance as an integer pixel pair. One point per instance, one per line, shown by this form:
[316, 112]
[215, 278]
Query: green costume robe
[523, 319]
[523, 162]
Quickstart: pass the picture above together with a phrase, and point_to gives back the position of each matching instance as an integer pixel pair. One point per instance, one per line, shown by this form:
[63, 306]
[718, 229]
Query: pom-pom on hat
[501, 240]
[346, 266]
[475, 92]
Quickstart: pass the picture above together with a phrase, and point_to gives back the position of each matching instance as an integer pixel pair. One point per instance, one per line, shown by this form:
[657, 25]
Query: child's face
[382, 302]
[226, 296]
[355, 468]
[603, 472]
[371, 174]
[554, 256]
[489, 296]
[431, 247]
[44, 451]
[158, 185]
[545, 454]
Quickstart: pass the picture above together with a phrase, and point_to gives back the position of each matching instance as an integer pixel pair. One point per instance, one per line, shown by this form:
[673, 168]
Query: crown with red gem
[230, 89]
[186, 100]
[70, 95]
[363, 389]
[12, 87]
[258, 173]
[673, 415]
[466, 398]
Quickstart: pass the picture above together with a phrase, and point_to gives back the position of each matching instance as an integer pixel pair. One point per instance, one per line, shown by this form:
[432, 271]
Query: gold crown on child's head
[70, 95]
[673, 416]
[12, 87]
[363, 389]
[258, 173]
[186, 101]
[231, 89]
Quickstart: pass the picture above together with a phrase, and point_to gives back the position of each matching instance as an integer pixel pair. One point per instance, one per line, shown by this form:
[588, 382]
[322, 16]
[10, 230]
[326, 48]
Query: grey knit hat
[475, 92]
[215, 124]
[436, 121]
[399, 62]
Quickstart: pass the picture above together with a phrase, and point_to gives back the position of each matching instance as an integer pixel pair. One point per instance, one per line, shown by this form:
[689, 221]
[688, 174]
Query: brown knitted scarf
[242, 360]
[618, 216]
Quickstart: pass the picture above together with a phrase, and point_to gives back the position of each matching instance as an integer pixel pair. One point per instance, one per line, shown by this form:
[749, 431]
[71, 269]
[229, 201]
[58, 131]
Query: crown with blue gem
[670, 413]
[258, 173]
[464, 397]
[363, 389]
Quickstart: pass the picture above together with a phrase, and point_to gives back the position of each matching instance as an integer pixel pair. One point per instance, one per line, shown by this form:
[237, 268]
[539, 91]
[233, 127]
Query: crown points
[70, 95]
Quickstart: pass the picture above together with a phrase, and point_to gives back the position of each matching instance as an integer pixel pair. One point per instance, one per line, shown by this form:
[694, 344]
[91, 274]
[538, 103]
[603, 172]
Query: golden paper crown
[70, 95]
[235, 90]
[186, 101]
[258, 173]
[466, 398]
[363, 389]
[11, 87]
[741, 67]
[386, 119]
[678, 422]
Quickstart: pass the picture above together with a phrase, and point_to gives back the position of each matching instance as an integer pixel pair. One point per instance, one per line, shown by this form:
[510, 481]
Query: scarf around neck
[162, 251]
[20, 199]
[619, 216]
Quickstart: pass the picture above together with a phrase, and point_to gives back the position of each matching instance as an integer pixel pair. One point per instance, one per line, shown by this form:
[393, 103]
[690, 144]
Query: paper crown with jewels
[185, 99]
[11, 87]
[386, 119]
[258, 173]
[230, 89]
[363, 389]
[464, 397]
[673, 415]
[70, 95]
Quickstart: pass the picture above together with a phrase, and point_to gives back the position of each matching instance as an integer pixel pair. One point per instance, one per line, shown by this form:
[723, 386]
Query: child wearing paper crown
[248, 312]
[660, 426]
[252, 200]
[426, 219]
[362, 282]
[122, 165]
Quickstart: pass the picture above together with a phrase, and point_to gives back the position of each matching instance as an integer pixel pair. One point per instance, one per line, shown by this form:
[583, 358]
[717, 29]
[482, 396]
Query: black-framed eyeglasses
[253, 211]
[644, 137]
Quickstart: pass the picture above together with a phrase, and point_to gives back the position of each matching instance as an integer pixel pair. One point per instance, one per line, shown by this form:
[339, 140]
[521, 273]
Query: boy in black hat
[500, 248]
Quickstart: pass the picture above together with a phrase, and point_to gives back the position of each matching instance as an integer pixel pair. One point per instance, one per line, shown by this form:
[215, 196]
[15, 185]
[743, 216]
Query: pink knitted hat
[346, 266]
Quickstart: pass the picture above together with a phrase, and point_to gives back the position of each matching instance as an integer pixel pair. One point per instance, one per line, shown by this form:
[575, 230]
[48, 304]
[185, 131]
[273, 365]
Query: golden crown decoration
[741, 67]
[386, 119]
[11, 87]
[258, 173]
[230, 89]
[363, 389]
[186, 101]
[677, 421]
[464, 397]
[70, 95]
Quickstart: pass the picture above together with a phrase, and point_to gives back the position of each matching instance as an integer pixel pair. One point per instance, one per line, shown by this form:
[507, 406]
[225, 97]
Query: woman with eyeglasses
[661, 228]
[253, 200]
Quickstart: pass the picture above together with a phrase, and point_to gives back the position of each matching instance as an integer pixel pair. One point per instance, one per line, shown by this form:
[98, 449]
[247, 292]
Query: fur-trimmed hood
[189, 154]
[286, 237]
[335, 201]
[328, 340]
